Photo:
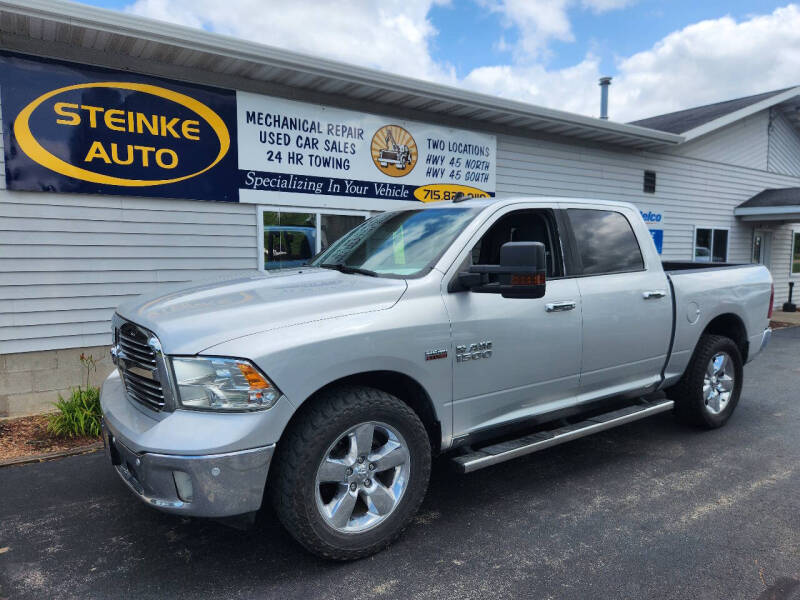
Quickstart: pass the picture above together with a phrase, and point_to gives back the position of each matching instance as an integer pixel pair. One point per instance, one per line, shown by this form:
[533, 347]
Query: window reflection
[290, 239]
[606, 242]
[399, 243]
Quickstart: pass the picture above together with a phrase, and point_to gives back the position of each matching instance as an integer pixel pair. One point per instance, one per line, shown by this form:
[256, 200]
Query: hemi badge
[434, 354]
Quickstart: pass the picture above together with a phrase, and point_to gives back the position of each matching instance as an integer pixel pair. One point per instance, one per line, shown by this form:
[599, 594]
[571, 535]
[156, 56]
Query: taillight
[771, 300]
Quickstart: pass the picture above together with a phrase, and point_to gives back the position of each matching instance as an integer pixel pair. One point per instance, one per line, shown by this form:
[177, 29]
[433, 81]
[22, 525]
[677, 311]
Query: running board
[503, 451]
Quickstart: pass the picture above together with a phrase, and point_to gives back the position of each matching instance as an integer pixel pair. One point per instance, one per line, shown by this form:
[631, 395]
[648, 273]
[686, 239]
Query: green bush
[80, 415]
[77, 417]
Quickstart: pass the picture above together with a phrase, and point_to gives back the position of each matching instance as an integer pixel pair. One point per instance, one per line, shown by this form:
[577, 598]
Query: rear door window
[606, 242]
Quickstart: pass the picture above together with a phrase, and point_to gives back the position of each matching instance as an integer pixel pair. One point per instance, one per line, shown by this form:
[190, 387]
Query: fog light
[183, 483]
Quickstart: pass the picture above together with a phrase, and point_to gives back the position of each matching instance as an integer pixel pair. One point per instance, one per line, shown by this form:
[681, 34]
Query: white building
[140, 154]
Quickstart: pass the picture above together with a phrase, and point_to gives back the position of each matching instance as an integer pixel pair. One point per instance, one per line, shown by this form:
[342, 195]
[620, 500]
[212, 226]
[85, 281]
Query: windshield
[403, 244]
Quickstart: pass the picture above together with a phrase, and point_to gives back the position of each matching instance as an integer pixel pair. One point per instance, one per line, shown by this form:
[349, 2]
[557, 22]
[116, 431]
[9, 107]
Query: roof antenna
[605, 82]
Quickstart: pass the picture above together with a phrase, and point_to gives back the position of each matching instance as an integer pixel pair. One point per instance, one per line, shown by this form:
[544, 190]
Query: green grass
[79, 416]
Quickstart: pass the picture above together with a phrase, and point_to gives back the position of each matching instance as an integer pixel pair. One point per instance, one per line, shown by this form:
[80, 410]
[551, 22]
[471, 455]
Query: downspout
[770, 120]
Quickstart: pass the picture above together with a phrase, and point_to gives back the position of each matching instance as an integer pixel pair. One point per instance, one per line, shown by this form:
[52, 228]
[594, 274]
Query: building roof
[700, 120]
[773, 204]
[80, 33]
[774, 197]
[686, 120]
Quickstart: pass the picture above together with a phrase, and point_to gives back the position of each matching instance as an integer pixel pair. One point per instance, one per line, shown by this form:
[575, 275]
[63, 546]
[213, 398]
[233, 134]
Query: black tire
[690, 404]
[293, 484]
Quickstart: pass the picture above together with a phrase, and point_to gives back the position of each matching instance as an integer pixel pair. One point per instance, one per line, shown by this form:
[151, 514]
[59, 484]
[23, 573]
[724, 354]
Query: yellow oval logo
[436, 192]
[116, 119]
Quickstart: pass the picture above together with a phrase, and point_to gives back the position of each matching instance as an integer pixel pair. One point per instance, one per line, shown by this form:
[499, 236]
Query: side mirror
[468, 281]
[520, 274]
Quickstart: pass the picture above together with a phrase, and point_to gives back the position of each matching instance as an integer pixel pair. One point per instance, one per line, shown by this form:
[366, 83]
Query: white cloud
[601, 6]
[711, 61]
[392, 35]
[537, 21]
[573, 89]
[704, 62]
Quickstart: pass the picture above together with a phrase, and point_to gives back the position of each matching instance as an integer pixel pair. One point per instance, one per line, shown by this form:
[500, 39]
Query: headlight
[222, 384]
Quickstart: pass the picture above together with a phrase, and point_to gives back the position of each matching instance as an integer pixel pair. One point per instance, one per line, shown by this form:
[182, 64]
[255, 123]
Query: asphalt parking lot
[649, 510]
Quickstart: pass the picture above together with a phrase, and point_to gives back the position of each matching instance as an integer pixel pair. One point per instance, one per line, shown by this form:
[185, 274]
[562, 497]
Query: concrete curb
[52, 455]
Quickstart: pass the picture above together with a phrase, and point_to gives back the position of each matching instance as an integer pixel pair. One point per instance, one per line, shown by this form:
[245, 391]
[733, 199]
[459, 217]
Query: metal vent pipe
[604, 83]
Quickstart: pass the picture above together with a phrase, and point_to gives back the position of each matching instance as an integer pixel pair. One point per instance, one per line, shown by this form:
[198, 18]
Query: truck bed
[703, 291]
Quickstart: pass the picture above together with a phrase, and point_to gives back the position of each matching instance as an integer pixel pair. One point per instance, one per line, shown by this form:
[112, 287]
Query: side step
[503, 451]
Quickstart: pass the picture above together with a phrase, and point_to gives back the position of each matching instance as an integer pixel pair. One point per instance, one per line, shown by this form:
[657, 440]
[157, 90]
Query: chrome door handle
[653, 294]
[560, 306]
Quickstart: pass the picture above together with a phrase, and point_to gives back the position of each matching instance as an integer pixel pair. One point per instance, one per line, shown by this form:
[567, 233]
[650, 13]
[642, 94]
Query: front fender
[302, 359]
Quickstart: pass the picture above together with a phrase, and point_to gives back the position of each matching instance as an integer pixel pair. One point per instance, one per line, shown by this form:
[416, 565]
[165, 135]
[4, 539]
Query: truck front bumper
[187, 462]
[213, 485]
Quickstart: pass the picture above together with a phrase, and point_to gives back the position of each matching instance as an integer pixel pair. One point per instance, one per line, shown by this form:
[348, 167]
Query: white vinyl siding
[784, 146]
[66, 261]
[743, 143]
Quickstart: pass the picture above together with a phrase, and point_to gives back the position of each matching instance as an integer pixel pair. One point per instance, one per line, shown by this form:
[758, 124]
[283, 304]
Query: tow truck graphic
[395, 154]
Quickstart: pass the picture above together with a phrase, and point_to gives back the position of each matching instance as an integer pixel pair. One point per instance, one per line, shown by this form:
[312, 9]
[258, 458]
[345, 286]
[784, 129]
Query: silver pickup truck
[483, 329]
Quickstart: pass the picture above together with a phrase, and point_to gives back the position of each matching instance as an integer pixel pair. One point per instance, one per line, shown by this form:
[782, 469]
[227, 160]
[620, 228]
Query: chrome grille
[134, 343]
[143, 391]
[140, 364]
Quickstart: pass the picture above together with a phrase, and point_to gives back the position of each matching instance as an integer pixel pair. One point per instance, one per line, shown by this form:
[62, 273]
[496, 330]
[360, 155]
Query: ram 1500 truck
[485, 329]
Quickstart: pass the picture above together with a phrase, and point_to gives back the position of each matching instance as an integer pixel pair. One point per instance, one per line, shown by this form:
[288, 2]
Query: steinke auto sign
[72, 129]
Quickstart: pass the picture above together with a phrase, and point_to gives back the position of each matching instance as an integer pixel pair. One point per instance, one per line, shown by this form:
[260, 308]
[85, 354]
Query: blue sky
[468, 36]
[663, 55]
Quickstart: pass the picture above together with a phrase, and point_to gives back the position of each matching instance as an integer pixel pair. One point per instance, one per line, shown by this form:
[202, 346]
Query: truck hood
[193, 317]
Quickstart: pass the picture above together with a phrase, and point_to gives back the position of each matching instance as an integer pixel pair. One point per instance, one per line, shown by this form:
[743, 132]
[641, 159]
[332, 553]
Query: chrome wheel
[718, 383]
[362, 477]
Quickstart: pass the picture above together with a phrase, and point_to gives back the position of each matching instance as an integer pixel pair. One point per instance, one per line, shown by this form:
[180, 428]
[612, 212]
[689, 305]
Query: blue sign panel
[80, 129]
[658, 238]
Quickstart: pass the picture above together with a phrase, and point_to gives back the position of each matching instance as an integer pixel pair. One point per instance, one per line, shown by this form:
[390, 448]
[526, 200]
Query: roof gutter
[766, 210]
[60, 11]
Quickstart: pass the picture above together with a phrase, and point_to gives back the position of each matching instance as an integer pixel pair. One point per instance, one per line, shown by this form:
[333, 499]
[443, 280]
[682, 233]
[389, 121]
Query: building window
[606, 242]
[710, 245]
[796, 253]
[650, 182]
[290, 237]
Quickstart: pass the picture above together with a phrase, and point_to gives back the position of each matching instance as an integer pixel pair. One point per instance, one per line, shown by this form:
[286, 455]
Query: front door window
[758, 243]
[762, 242]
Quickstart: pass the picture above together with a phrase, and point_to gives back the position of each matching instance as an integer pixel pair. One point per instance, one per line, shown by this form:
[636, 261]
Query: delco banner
[78, 129]
[295, 147]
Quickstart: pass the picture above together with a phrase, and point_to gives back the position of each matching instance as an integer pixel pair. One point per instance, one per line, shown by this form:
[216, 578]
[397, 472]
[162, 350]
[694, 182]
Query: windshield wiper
[348, 269]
